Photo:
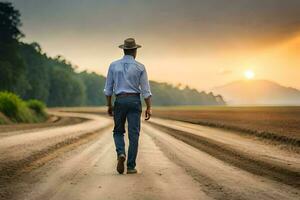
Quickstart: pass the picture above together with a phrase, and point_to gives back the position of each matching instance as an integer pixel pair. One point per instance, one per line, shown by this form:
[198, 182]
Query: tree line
[29, 72]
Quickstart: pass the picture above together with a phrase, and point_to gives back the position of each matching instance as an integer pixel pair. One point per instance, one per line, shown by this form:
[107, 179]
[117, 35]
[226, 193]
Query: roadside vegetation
[14, 110]
[4, 119]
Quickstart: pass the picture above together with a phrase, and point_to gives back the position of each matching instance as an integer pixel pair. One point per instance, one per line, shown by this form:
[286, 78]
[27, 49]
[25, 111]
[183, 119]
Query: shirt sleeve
[109, 84]
[145, 86]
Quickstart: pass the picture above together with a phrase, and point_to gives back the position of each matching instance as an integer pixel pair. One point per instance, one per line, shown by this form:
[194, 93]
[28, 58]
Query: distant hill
[262, 92]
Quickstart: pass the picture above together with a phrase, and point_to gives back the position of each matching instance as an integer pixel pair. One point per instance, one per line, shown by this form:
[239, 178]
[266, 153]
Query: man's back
[126, 75]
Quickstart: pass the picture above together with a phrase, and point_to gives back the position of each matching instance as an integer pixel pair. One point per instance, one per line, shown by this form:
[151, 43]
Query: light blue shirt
[127, 76]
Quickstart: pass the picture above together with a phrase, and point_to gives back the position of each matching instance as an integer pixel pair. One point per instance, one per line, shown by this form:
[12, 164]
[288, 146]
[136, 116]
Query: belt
[127, 94]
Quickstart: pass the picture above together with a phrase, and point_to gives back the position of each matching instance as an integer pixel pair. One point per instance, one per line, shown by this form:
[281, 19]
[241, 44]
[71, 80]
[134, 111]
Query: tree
[9, 23]
[27, 71]
[37, 72]
[65, 89]
[94, 84]
[11, 63]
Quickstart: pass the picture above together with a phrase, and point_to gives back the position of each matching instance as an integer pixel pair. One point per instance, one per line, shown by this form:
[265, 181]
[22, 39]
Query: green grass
[38, 107]
[2, 121]
[17, 110]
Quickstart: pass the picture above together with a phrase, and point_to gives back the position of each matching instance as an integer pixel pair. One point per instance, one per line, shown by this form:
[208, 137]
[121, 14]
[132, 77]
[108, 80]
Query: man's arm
[109, 105]
[145, 87]
[148, 111]
[108, 90]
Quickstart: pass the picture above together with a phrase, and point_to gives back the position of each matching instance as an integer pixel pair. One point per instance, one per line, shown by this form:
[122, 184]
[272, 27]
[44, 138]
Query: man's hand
[109, 106]
[110, 110]
[148, 111]
[148, 114]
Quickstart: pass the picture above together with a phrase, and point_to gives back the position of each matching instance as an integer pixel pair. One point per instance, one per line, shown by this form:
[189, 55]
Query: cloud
[223, 71]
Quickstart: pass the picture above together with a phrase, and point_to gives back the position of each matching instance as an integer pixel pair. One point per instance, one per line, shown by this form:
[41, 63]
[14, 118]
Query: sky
[200, 43]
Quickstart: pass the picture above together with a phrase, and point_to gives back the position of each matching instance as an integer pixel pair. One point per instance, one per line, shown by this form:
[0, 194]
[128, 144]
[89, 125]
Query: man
[127, 79]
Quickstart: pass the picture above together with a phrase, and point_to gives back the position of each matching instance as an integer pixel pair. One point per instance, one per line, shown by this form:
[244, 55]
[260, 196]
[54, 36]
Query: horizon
[230, 40]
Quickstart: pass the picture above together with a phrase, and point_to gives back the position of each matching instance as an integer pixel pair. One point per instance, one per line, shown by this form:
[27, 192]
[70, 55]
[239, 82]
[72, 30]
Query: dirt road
[175, 161]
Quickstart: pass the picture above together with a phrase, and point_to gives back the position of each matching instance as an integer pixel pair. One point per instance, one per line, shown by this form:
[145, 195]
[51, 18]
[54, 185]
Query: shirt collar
[128, 57]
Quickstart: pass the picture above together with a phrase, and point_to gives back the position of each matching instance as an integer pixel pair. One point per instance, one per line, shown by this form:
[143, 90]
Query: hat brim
[134, 47]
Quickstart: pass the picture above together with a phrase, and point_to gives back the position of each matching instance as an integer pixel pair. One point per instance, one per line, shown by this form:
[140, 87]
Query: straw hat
[129, 43]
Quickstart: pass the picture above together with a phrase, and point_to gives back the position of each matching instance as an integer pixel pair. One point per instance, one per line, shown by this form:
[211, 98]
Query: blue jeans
[129, 108]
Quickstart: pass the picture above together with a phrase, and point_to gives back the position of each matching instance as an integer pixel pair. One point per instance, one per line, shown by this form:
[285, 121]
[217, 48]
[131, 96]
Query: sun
[249, 74]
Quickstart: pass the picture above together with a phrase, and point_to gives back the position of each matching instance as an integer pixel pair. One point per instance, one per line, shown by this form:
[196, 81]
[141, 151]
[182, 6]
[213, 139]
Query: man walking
[127, 79]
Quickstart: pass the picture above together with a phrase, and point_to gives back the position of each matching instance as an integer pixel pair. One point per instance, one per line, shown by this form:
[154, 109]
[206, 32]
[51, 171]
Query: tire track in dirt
[218, 178]
[209, 186]
[78, 162]
[233, 156]
[39, 158]
[53, 121]
[20, 154]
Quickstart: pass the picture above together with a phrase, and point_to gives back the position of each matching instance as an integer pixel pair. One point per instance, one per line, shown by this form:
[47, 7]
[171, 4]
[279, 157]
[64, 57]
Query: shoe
[131, 171]
[120, 165]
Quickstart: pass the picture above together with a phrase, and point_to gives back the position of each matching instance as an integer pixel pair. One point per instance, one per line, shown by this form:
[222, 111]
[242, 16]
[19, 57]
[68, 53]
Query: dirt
[79, 161]
[242, 155]
[218, 178]
[280, 124]
[30, 150]
[53, 121]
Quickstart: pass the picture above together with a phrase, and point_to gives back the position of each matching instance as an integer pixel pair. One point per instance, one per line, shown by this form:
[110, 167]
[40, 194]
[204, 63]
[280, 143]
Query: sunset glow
[204, 48]
[249, 74]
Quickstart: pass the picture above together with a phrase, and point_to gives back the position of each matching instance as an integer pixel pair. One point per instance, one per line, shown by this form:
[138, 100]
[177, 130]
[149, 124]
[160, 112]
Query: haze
[199, 43]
